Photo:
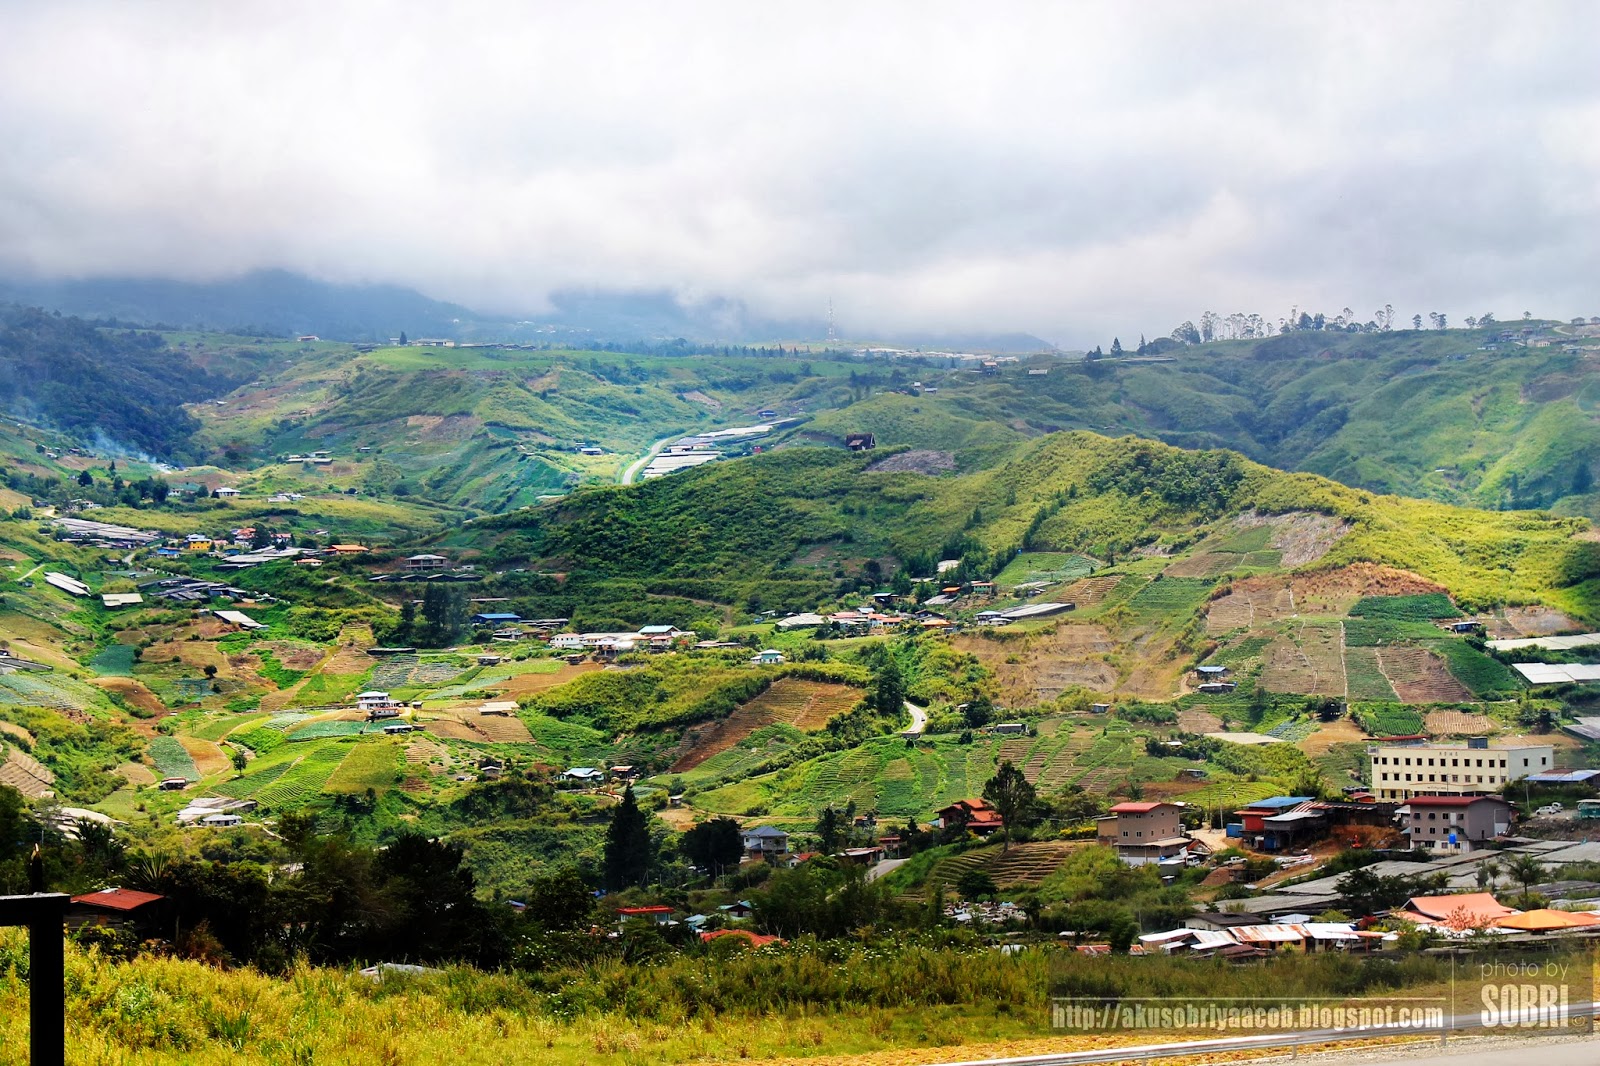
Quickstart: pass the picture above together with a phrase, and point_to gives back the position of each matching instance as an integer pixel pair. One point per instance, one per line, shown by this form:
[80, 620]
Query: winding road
[919, 720]
[639, 464]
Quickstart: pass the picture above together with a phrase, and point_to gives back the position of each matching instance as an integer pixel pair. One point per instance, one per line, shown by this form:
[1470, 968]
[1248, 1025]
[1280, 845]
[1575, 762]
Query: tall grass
[808, 998]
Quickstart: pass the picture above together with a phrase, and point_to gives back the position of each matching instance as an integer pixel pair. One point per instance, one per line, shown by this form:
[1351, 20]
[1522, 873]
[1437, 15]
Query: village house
[144, 913]
[765, 842]
[973, 815]
[1145, 832]
[1454, 823]
[1267, 824]
[1403, 769]
[769, 657]
[426, 562]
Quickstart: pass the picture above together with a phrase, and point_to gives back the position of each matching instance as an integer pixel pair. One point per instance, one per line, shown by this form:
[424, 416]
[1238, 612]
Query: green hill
[804, 512]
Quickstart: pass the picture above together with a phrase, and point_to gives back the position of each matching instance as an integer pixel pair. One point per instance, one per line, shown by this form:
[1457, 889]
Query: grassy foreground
[808, 1000]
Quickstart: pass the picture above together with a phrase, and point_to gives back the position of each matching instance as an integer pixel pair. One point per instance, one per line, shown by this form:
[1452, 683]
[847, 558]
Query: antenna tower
[832, 336]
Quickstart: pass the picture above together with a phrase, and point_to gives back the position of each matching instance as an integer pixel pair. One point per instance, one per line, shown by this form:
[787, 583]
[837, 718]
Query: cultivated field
[1039, 667]
[1420, 676]
[1458, 723]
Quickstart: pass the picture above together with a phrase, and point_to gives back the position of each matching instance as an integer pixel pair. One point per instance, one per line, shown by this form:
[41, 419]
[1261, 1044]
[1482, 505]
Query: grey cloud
[1071, 170]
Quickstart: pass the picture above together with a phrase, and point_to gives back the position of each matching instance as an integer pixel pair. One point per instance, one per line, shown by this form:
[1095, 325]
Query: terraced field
[1458, 724]
[1024, 864]
[1170, 601]
[1365, 677]
[1091, 591]
[1420, 676]
[25, 773]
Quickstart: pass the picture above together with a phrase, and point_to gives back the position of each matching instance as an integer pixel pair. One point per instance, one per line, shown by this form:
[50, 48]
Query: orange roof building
[1469, 910]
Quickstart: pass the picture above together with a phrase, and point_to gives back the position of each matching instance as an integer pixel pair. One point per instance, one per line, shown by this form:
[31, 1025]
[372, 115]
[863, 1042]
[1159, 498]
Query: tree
[889, 689]
[239, 760]
[85, 479]
[1525, 870]
[628, 846]
[832, 829]
[976, 883]
[978, 712]
[1010, 794]
[403, 337]
[713, 845]
[560, 900]
[1116, 346]
[1416, 321]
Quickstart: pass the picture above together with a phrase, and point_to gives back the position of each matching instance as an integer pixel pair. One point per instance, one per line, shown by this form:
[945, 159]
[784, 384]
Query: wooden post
[47, 1011]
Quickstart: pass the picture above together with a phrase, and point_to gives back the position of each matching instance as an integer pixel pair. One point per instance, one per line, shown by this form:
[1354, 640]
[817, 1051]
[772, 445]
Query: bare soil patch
[208, 757]
[918, 461]
[136, 774]
[788, 701]
[1516, 622]
[1302, 536]
[1047, 663]
[133, 691]
[1090, 590]
[1420, 676]
[1259, 599]
[524, 684]
[451, 729]
[1195, 720]
[25, 774]
[1311, 662]
[1339, 731]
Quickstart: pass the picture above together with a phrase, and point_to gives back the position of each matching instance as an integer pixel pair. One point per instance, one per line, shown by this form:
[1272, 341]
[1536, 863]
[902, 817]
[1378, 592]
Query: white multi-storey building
[1465, 768]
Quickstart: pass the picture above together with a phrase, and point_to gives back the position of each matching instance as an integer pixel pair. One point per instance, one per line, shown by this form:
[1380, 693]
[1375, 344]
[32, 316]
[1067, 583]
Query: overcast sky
[1075, 170]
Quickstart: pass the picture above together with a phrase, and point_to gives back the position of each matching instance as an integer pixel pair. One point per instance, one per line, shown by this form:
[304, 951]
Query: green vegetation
[171, 759]
[1406, 608]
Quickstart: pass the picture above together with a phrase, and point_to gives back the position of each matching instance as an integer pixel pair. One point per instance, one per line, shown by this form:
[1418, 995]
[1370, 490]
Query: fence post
[47, 1013]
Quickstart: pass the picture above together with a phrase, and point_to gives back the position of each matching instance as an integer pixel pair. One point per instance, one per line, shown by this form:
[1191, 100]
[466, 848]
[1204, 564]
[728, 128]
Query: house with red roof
[660, 914]
[973, 815]
[145, 913]
[1144, 832]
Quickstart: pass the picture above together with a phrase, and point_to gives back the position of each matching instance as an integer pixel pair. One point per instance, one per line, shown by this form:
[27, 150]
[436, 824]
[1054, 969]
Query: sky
[1074, 170]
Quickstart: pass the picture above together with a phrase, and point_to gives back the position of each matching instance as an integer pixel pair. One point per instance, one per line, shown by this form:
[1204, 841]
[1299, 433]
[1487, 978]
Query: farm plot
[1249, 603]
[115, 661]
[1171, 600]
[1420, 676]
[1458, 724]
[305, 777]
[208, 757]
[372, 764]
[1091, 591]
[25, 773]
[1365, 677]
[1048, 663]
[171, 759]
[790, 701]
[1205, 564]
[1423, 607]
[327, 728]
[1390, 721]
[1053, 567]
[1199, 720]
[56, 693]
[1308, 659]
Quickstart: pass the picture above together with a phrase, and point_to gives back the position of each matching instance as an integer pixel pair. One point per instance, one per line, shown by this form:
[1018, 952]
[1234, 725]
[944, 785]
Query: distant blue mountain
[280, 303]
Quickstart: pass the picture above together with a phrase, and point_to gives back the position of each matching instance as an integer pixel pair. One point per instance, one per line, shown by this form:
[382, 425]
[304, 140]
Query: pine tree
[628, 845]
[1116, 346]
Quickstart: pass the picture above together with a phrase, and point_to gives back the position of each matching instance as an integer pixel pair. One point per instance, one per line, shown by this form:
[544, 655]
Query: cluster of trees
[125, 385]
[1242, 326]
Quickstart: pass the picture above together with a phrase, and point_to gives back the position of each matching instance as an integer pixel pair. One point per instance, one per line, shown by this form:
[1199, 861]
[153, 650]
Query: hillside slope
[801, 511]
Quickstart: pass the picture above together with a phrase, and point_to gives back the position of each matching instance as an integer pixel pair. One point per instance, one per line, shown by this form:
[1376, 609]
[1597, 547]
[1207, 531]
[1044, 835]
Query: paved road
[881, 868]
[639, 464]
[919, 720]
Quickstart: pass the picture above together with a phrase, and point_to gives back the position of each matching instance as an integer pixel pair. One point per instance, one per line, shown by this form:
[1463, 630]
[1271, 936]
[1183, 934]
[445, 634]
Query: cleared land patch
[1420, 676]
[1091, 591]
[1308, 659]
[787, 701]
